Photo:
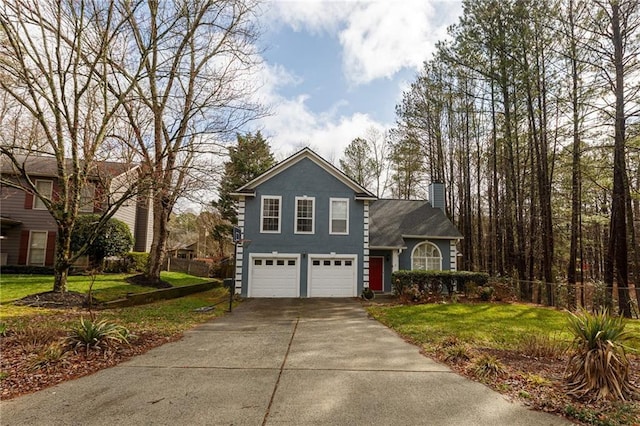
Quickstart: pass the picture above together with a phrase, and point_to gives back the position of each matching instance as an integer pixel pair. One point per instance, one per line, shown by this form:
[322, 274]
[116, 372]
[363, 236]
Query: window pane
[326, 263]
[270, 214]
[87, 197]
[304, 215]
[338, 225]
[339, 209]
[37, 248]
[44, 187]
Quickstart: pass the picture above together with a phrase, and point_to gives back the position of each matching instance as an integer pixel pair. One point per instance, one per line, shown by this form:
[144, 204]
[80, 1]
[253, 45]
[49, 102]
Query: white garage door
[274, 277]
[332, 277]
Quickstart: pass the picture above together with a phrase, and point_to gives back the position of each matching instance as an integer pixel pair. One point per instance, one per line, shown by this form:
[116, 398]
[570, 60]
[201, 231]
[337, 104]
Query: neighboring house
[27, 230]
[310, 231]
[184, 251]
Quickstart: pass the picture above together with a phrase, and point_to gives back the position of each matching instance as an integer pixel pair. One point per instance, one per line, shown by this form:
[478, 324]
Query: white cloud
[293, 125]
[378, 38]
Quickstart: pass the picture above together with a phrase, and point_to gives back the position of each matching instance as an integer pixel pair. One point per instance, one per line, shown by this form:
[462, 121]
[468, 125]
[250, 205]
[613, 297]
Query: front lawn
[28, 333]
[106, 286]
[525, 347]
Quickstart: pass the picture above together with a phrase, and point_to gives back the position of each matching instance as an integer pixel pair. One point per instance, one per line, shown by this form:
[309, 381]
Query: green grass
[167, 317]
[170, 316]
[486, 324]
[105, 287]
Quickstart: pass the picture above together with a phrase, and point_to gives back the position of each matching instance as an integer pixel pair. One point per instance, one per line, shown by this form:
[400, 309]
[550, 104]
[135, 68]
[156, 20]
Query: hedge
[420, 283]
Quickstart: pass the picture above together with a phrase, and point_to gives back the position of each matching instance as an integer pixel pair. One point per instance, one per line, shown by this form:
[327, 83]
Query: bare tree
[55, 103]
[617, 26]
[191, 62]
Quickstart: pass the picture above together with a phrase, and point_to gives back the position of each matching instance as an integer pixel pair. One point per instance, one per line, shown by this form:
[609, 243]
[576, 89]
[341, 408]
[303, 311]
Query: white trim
[294, 159]
[272, 255]
[352, 257]
[331, 200]
[44, 250]
[48, 196]
[422, 244]
[453, 261]
[262, 200]
[431, 237]
[395, 260]
[313, 215]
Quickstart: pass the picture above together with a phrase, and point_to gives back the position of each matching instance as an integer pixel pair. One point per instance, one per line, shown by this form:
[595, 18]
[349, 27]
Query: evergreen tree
[247, 160]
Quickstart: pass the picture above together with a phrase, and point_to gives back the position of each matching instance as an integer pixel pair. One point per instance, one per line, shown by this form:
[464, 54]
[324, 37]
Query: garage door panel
[332, 277]
[274, 277]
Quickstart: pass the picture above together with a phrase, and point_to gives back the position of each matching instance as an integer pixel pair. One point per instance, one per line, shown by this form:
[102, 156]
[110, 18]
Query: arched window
[426, 256]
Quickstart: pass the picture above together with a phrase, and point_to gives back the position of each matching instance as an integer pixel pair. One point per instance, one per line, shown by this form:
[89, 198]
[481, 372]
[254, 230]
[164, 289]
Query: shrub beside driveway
[518, 350]
[32, 357]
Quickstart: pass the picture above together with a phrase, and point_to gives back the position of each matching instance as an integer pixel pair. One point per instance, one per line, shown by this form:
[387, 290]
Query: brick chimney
[436, 195]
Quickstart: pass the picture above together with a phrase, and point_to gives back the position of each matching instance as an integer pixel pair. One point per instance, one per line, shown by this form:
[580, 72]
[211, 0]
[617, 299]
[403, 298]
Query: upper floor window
[339, 216]
[44, 187]
[426, 256]
[304, 215]
[270, 214]
[87, 197]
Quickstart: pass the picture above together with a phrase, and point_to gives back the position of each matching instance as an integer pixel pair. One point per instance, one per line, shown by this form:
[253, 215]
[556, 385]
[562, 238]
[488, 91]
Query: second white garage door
[332, 277]
[274, 277]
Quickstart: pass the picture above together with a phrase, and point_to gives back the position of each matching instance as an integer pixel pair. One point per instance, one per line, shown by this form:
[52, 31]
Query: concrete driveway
[271, 362]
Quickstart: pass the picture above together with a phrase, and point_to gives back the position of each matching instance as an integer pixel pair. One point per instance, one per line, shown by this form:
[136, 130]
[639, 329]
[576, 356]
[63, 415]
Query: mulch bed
[54, 299]
[24, 361]
[142, 280]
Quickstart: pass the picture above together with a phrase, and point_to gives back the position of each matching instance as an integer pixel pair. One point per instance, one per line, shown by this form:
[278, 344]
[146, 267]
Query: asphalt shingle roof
[391, 219]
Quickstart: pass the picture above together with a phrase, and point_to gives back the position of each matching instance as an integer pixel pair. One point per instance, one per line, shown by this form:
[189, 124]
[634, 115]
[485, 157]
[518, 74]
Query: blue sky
[334, 69]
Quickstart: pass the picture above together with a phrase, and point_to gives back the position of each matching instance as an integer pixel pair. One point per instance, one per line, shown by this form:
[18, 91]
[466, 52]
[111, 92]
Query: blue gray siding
[304, 178]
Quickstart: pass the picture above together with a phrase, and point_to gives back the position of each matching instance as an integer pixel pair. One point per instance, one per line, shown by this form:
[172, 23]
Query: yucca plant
[97, 335]
[598, 366]
[52, 354]
[488, 366]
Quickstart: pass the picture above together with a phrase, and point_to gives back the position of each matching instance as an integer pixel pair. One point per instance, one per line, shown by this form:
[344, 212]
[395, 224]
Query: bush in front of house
[419, 285]
[138, 261]
[114, 239]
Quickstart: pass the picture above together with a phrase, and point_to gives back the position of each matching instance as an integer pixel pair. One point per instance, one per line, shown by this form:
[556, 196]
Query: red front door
[375, 273]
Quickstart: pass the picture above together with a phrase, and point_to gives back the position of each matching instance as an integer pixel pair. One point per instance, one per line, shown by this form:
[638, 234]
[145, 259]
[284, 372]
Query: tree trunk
[616, 265]
[158, 251]
[576, 175]
[62, 264]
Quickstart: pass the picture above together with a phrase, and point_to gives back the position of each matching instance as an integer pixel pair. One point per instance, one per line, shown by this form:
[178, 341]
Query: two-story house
[27, 230]
[310, 231]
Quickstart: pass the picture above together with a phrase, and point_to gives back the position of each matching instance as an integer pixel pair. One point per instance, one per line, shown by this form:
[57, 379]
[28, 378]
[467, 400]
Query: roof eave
[387, 247]
[243, 194]
[434, 237]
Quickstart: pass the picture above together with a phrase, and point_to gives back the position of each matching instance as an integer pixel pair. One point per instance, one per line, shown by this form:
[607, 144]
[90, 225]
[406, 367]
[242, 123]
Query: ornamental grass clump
[599, 367]
[97, 335]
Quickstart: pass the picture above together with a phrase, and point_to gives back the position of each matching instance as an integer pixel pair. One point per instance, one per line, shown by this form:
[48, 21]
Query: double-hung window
[270, 214]
[87, 197]
[339, 216]
[305, 207]
[44, 187]
[37, 247]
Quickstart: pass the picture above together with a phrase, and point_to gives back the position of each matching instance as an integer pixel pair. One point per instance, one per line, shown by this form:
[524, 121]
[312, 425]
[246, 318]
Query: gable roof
[47, 166]
[361, 192]
[391, 220]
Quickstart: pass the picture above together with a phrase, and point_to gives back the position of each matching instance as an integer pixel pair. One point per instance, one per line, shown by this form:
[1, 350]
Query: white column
[395, 260]
[239, 247]
[365, 257]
